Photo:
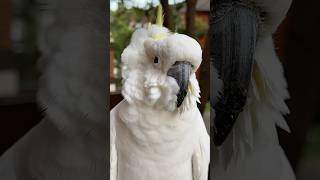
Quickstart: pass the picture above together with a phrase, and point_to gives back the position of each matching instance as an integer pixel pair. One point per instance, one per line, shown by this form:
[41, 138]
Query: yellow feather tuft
[160, 36]
[159, 20]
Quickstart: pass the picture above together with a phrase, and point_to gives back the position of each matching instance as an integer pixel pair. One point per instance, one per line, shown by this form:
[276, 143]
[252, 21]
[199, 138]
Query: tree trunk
[204, 79]
[167, 14]
[190, 17]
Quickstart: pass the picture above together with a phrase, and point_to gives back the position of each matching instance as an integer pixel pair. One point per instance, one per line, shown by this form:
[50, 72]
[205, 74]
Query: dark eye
[156, 60]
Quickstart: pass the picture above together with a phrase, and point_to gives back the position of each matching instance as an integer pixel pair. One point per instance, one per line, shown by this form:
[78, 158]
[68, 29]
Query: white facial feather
[145, 82]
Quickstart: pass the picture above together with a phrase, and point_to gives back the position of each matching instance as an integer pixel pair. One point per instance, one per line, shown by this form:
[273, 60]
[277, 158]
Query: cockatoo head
[158, 69]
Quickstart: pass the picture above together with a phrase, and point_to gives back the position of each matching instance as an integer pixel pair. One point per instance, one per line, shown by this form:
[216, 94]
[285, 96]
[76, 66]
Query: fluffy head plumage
[145, 82]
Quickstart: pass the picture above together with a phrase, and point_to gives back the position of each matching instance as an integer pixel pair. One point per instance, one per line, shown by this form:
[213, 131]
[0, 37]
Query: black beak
[181, 72]
[234, 31]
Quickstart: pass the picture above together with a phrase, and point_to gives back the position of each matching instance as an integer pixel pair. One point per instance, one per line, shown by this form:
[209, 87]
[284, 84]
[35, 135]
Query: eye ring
[156, 60]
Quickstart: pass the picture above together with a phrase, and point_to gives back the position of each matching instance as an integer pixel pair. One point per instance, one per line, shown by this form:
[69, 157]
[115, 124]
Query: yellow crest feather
[159, 19]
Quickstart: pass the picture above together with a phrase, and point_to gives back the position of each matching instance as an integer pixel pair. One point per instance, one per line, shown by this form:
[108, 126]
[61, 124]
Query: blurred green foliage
[202, 27]
[207, 107]
[312, 146]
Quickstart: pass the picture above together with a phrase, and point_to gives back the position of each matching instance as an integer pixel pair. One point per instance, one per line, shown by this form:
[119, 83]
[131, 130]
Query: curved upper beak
[181, 71]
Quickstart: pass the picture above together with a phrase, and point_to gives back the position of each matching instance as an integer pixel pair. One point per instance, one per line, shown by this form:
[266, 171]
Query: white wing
[113, 149]
[201, 156]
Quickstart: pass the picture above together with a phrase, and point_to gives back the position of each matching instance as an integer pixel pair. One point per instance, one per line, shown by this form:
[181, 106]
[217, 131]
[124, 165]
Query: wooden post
[167, 14]
[190, 17]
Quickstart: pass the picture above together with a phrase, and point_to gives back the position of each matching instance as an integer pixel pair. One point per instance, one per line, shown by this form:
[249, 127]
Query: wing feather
[113, 135]
[201, 156]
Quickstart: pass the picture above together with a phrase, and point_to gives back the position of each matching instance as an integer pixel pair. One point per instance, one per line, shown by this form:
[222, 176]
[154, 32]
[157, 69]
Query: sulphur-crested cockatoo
[157, 131]
[248, 91]
[71, 141]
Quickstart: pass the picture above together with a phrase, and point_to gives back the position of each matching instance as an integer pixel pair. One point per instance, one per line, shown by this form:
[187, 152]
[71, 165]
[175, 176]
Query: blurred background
[18, 69]
[297, 42]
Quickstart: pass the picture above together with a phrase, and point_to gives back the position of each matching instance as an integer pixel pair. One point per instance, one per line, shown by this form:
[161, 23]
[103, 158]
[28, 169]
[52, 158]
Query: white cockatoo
[157, 131]
[70, 143]
[249, 91]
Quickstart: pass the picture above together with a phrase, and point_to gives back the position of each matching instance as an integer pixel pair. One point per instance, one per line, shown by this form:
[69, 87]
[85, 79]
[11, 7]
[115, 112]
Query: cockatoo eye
[156, 60]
